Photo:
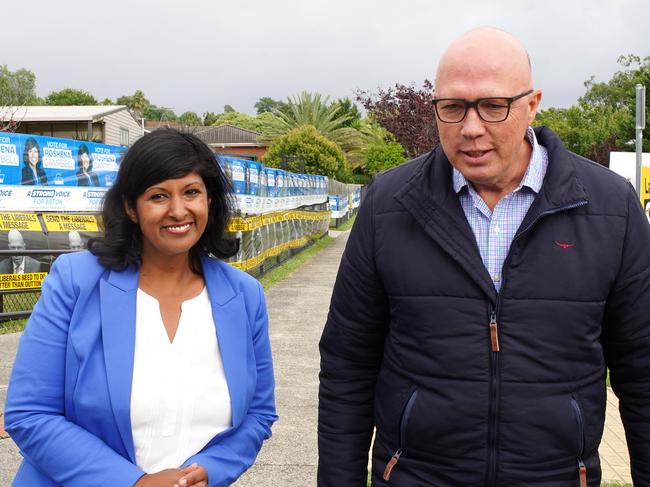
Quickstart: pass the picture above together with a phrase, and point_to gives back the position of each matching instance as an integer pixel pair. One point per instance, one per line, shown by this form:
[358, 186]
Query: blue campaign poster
[271, 179]
[32, 160]
[237, 171]
[254, 177]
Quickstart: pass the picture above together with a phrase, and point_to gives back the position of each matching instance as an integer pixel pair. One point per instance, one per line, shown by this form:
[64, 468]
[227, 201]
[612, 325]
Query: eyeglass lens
[489, 109]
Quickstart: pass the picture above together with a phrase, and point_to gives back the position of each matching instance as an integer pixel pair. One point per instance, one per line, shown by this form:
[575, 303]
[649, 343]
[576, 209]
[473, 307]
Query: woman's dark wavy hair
[29, 145]
[83, 149]
[160, 155]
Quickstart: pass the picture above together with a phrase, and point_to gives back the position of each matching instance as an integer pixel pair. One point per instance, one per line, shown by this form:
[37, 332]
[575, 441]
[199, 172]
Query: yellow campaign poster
[645, 190]
[59, 222]
[29, 280]
[19, 221]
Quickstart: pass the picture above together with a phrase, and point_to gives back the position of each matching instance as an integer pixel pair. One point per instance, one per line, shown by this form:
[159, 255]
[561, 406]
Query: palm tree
[315, 109]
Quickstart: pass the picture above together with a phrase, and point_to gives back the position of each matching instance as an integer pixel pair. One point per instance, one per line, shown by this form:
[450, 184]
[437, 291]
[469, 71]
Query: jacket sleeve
[232, 454]
[351, 350]
[35, 409]
[626, 339]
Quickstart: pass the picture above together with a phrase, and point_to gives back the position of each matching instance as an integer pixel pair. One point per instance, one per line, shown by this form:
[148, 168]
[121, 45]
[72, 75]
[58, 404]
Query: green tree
[17, 88]
[345, 106]
[382, 156]
[70, 96]
[268, 104]
[136, 102]
[586, 129]
[228, 109]
[209, 118]
[189, 118]
[107, 101]
[619, 92]
[305, 149]
[315, 110]
[160, 114]
[264, 123]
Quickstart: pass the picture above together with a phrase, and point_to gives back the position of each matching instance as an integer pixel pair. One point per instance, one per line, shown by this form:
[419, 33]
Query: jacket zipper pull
[582, 472]
[494, 335]
[391, 464]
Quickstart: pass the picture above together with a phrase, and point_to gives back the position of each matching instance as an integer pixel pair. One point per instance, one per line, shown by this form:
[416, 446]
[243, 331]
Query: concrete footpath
[297, 309]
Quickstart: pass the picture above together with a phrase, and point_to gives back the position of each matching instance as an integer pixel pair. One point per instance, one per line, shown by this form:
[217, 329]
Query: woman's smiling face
[172, 216]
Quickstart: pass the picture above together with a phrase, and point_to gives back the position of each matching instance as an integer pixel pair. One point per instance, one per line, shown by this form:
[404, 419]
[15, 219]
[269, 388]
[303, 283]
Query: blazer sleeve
[35, 409]
[351, 349]
[232, 454]
[626, 339]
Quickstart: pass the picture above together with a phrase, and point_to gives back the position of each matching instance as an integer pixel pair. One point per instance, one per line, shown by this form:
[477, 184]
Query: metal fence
[19, 292]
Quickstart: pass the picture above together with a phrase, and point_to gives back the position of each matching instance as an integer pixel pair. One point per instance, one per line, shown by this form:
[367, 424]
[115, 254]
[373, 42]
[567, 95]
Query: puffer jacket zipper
[582, 468]
[496, 349]
[494, 397]
[401, 448]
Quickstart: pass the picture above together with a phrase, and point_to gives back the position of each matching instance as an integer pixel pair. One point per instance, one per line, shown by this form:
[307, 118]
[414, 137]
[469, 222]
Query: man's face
[487, 154]
[16, 243]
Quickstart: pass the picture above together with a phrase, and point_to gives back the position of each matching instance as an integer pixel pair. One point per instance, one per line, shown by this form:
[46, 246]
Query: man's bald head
[15, 240]
[483, 51]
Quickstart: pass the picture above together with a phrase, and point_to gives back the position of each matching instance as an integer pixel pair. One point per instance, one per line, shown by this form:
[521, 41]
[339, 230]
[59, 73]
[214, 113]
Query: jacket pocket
[401, 447]
[582, 468]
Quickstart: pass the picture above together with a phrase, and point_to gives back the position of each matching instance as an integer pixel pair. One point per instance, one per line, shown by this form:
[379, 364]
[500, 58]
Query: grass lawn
[285, 269]
[346, 225]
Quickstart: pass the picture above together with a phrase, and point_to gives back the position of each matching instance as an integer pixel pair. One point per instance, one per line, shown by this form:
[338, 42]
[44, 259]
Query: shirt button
[497, 278]
[496, 229]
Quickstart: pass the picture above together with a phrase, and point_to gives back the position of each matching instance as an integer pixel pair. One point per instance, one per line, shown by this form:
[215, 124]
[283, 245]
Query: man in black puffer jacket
[484, 289]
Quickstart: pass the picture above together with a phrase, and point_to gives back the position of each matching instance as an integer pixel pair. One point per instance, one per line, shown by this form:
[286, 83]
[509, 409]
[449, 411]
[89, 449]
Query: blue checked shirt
[494, 230]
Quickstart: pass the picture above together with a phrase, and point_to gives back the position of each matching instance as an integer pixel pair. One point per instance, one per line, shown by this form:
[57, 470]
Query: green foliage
[153, 112]
[304, 149]
[137, 102]
[619, 92]
[107, 101]
[383, 155]
[209, 118]
[228, 109]
[70, 96]
[345, 106]
[268, 104]
[18, 87]
[603, 119]
[582, 127]
[189, 118]
[264, 123]
[315, 110]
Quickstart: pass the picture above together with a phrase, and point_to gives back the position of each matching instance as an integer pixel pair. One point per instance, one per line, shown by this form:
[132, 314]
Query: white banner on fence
[40, 198]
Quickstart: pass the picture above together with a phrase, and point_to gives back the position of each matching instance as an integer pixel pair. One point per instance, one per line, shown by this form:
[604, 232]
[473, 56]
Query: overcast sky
[201, 54]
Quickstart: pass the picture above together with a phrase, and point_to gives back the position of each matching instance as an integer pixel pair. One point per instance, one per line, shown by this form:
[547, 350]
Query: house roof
[228, 135]
[36, 113]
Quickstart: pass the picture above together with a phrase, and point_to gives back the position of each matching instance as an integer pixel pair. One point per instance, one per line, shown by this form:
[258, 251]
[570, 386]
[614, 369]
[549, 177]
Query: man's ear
[533, 106]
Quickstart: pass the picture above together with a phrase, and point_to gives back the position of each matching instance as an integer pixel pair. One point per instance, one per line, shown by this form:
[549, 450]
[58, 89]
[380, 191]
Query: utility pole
[640, 125]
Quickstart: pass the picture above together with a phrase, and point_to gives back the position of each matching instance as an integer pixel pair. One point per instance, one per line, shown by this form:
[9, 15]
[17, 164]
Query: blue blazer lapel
[117, 304]
[230, 318]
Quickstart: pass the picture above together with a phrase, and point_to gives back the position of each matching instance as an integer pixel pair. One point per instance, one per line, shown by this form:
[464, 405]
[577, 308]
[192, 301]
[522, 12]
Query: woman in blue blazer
[69, 403]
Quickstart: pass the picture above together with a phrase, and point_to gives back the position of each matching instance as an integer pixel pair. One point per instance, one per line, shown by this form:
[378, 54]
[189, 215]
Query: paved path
[289, 458]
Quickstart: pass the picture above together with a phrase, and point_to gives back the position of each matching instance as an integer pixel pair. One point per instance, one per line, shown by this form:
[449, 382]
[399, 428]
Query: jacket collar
[430, 198]
[118, 294]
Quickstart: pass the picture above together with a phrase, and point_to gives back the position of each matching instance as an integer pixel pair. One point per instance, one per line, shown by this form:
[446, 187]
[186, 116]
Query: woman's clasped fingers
[194, 476]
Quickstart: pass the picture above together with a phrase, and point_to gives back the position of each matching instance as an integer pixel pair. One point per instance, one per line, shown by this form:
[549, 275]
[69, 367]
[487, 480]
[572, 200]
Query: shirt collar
[534, 176]
[19, 269]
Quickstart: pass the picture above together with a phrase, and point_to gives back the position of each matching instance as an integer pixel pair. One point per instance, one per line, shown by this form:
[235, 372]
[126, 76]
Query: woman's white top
[179, 394]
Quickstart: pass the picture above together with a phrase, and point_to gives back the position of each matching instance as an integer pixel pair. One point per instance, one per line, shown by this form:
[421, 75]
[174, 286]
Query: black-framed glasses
[492, 109]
